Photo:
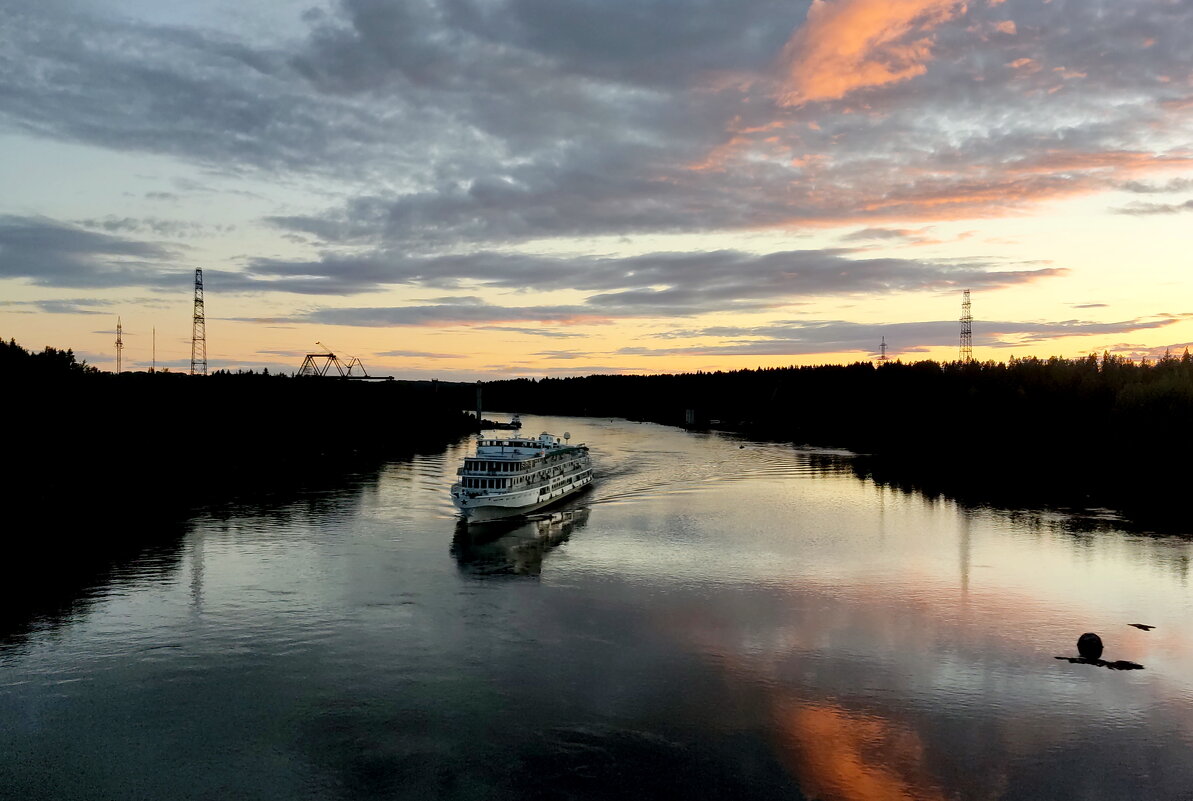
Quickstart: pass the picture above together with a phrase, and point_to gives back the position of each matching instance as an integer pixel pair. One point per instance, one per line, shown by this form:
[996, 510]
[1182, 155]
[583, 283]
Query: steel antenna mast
[966, 330]
[199, 330]
[119, 344]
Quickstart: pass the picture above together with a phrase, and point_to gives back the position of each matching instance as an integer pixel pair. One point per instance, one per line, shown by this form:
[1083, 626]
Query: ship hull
[487, 510]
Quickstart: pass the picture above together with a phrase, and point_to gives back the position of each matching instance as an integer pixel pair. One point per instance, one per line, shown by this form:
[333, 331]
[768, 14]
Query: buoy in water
[1089, 645]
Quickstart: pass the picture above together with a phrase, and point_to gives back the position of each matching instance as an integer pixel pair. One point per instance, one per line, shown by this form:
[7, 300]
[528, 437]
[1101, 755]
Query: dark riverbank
[102, 471]
[1094, 432]
[140, 444]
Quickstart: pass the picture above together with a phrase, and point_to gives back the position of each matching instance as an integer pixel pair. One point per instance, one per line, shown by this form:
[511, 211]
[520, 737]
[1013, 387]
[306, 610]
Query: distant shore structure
[318, 365]
[199, 330]
[119, 344]
[966, 329]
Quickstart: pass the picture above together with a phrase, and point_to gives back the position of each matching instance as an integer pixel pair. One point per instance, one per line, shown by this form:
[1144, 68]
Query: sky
[483, 189]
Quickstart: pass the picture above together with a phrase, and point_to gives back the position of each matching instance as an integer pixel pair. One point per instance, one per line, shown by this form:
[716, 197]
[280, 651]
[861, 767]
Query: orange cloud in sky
[740, 139]
[853, 44]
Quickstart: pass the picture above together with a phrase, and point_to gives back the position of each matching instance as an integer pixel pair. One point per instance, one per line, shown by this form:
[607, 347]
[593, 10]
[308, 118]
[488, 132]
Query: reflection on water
[56, 576]
[52, 578]
[717, 618]
[513, 547]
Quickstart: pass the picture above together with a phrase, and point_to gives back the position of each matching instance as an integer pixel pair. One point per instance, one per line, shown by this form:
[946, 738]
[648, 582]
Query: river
[713, 618]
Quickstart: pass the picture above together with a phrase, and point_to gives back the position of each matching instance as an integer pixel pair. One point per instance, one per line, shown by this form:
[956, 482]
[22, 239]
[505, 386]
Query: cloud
[881, 234]
[551, 333]
[1145, 188]
[454, 123]
[48, 253]
[680, 282]
[156, 226]
[289, 354]
[417, 354]
[445, 315]
[847, 45]
[1145, 209]
[562, 354]
[59, 305]
[809, 337]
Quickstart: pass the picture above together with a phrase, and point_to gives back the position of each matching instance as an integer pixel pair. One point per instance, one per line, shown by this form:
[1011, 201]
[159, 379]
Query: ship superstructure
[516, 475]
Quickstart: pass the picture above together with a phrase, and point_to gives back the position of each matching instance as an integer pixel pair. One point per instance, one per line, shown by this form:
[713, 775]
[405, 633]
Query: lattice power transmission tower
[966, 330]
[119, 344]
[199, 330]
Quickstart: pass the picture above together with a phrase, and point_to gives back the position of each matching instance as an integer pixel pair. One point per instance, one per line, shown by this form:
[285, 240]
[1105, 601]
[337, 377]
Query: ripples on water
[713, 618]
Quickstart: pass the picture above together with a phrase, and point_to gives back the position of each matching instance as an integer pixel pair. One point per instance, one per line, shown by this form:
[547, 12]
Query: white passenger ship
[516, 475]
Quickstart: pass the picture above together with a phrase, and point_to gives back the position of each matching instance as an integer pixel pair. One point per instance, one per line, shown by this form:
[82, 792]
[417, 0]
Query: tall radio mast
[119, 344]
[199, 330]
[966, 330]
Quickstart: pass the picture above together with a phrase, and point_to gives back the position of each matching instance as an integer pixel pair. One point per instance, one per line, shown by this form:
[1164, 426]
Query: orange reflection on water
[846, 756]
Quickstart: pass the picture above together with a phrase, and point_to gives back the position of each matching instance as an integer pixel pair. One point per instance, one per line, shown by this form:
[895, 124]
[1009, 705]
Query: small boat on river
[516, 475]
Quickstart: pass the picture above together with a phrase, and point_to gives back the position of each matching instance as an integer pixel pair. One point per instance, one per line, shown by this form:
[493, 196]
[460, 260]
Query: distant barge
[512, 425]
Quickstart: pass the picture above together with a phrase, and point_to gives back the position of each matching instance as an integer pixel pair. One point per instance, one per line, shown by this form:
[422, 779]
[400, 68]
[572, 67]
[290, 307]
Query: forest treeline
[1089, 428]
[1100, 429]
[79, 438]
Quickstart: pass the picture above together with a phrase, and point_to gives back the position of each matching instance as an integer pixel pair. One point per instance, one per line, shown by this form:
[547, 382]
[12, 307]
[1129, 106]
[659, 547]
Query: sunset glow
[478, 189]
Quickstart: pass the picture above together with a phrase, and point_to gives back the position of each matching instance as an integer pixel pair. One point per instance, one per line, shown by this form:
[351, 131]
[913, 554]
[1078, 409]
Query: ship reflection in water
[513, 547]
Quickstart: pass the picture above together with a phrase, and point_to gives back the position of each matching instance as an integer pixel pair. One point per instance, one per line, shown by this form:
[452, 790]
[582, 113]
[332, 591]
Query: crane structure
[966, 329]
[199, 330]
[320, 364]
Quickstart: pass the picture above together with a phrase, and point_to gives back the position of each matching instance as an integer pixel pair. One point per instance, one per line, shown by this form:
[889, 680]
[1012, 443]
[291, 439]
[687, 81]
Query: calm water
[715, 619]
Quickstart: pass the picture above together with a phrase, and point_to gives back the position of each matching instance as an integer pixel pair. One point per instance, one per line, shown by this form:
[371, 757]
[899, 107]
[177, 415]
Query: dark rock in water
[1089, 645]
[1143, 626]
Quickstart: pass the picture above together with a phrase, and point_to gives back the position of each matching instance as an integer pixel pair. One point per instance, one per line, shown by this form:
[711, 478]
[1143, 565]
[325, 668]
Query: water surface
[714, 618]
